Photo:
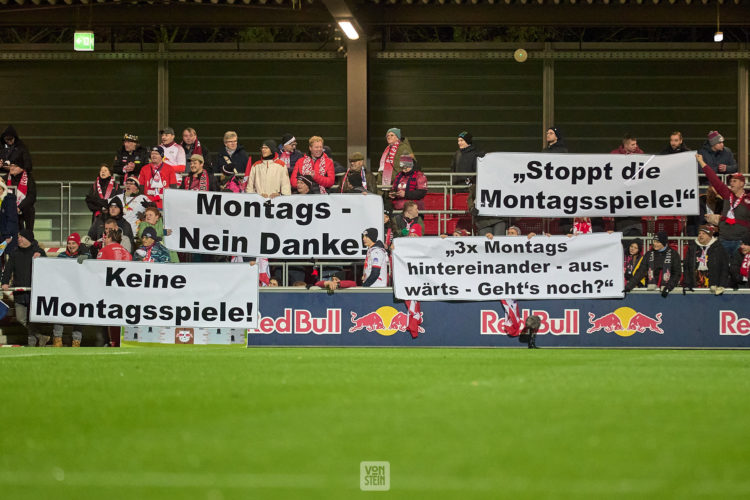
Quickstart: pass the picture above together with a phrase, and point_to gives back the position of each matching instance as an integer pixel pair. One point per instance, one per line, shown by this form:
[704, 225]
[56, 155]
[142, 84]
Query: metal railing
[61, 209]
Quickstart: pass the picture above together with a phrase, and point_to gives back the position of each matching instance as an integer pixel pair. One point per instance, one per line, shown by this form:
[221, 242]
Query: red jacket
[156, 192]
[114, 251]
[324, 181]
[621, 151]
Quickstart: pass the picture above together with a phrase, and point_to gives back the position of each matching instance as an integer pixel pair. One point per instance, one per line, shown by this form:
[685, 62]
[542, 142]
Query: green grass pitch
[228, 422]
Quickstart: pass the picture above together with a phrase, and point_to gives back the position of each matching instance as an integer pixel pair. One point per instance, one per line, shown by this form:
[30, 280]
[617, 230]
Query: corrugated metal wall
[72, 114]
[260, 100]
[597, 102]
[499, 102]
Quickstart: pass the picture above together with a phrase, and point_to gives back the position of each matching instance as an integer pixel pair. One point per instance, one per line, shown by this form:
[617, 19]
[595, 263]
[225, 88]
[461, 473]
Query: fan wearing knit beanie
[398, 146]
[662, 267]
[716, 155]
[555, 141]
[465, 158]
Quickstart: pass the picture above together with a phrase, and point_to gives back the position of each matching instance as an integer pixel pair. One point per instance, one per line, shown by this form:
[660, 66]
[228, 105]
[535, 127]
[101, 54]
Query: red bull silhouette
[399, 322]
[609, 323]
[370, 322]
[640, 323]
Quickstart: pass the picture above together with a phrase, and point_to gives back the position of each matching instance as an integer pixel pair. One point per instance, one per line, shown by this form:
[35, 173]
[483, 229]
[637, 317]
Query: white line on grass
[55, 352]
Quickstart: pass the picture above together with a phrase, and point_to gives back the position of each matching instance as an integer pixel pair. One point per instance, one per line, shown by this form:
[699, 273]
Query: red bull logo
[300, 321]
[492, 323]
[385, 320]
[624, 322]
[731, 324]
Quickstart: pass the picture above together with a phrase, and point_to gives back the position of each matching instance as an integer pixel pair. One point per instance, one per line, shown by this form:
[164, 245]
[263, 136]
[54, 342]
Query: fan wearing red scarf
[25, 186]
[103, 189]
[316, 166]
[397, 147]
[739, 264]
[157, 176]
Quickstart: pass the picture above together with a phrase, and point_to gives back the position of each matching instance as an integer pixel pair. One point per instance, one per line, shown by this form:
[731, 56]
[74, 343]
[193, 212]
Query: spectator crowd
[126, 201]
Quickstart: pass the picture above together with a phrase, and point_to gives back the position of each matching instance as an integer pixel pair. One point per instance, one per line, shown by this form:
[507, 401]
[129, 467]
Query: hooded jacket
[17, 153]
[19, 267]
[96, 231]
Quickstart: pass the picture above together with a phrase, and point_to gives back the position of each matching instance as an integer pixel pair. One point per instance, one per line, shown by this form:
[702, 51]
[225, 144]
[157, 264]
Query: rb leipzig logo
[385, 320]
[625, 321]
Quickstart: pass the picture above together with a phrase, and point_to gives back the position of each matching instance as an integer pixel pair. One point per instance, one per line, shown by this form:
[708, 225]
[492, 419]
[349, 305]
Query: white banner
[118, 293]
[508, 267]
[568, 185]
[291, 227]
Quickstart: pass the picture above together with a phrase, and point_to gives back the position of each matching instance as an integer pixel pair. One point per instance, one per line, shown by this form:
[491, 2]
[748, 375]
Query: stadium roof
[374, 13]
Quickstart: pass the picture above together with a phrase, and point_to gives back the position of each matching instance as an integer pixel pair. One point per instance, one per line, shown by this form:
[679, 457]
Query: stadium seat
[460, 201]
[434, 201]
[671, 225]
[431, 226]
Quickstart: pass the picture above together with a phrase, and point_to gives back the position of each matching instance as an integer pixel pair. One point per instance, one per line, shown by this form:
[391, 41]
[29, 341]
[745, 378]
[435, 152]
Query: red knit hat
[75, 237]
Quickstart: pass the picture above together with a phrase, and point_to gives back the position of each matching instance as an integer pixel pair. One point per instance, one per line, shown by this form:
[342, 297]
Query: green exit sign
[83, 41]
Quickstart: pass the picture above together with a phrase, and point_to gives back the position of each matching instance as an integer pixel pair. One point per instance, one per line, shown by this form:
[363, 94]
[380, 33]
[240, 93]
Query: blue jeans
[730, 245]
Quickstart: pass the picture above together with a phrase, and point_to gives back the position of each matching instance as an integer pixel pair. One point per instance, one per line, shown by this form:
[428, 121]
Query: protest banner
[290, 227]
[508, 267]
[575, 185]
[116, 293]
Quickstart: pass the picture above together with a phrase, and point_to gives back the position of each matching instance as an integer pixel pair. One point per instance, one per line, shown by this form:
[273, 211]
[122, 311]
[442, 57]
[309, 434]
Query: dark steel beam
[182, 14]
[580, 15]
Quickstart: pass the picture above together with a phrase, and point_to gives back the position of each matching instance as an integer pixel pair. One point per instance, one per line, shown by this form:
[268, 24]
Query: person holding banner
[663, 267]
[72, 251]
[19, 268]
[268, 176]
[109, 336]
[376, 262]
[113, 249]
[151, 250]
[734, 221]
[629, 146]
[157, 176]
[409, 218]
